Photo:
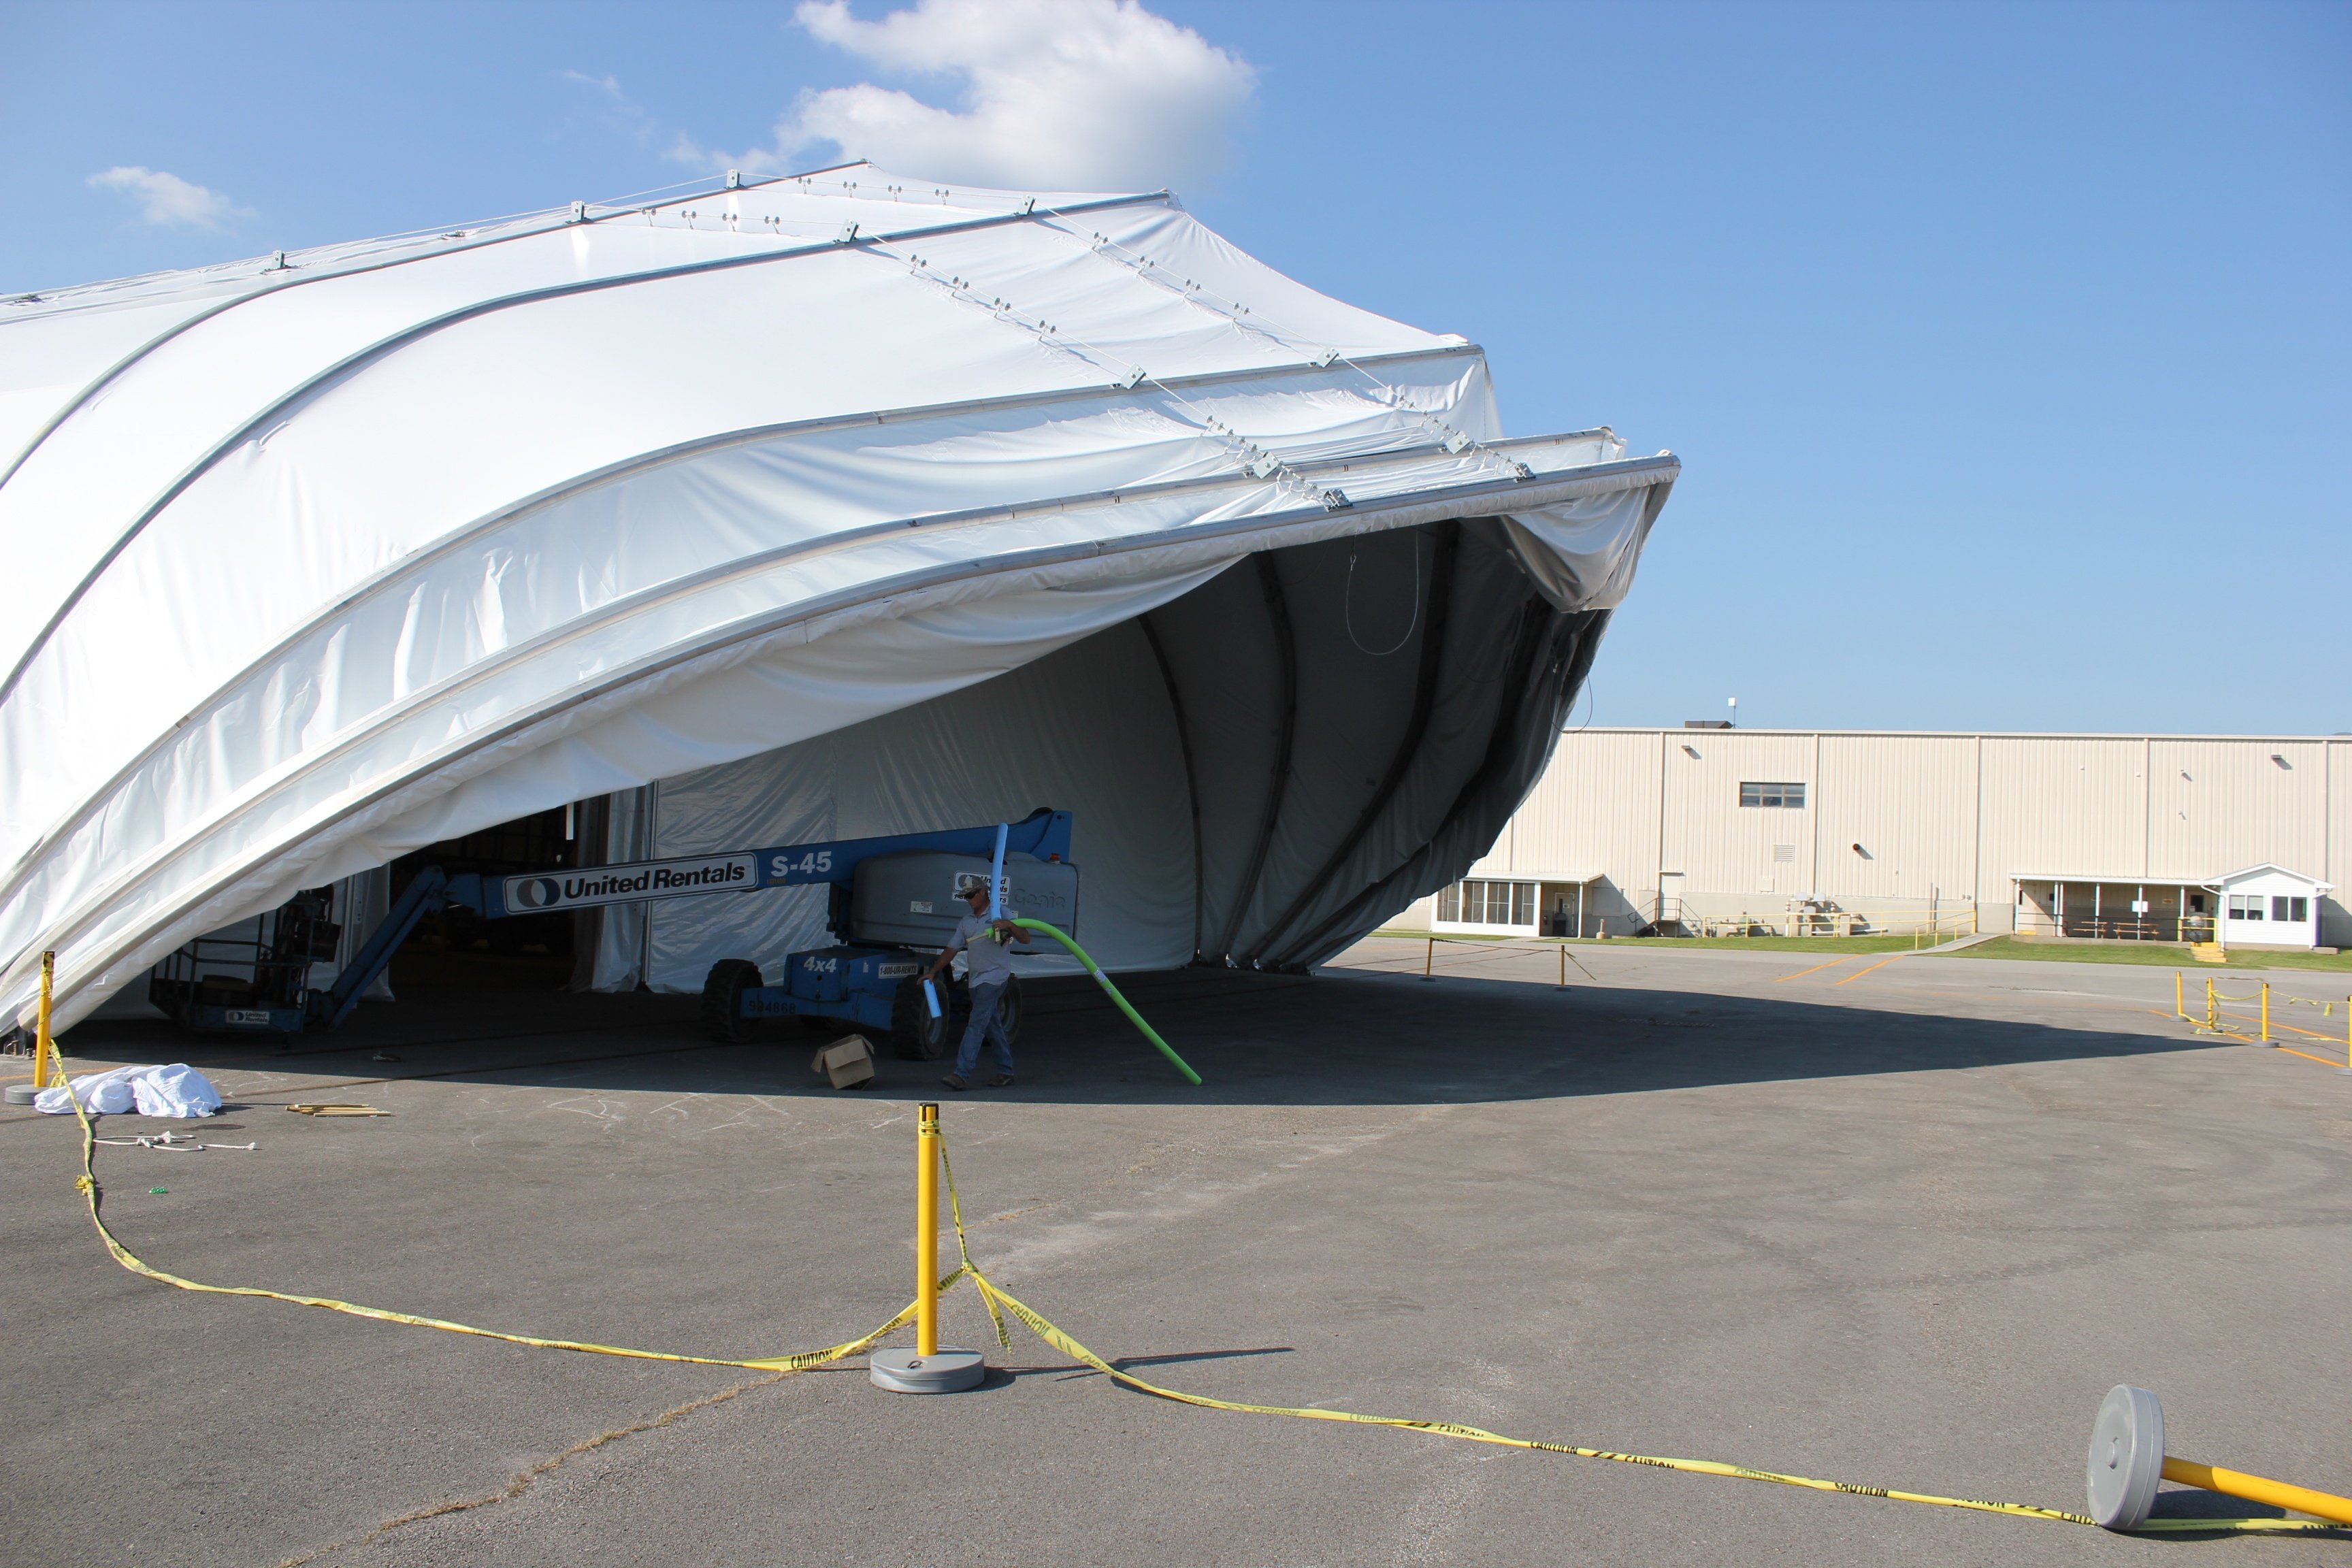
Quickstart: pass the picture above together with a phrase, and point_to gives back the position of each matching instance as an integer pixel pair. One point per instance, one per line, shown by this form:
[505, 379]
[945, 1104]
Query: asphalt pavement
[1898, 1223]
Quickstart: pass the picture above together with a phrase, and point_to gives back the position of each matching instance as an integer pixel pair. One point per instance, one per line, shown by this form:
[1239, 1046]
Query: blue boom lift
[891, 898]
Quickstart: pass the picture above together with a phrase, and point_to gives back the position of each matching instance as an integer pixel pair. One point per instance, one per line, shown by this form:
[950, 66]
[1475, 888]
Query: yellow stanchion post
[1429, 961]
[2213, 1007]
[2258, 1489]
[2179, 1010]
[927, 1233]
[926, 1369]
[2266, 1012]
[42, 1043]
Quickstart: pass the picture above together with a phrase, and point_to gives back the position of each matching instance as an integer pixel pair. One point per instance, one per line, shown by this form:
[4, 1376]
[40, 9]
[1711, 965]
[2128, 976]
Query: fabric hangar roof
[321, 557]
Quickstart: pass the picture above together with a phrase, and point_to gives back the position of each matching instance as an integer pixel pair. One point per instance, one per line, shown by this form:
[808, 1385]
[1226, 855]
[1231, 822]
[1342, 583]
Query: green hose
[1104, 981]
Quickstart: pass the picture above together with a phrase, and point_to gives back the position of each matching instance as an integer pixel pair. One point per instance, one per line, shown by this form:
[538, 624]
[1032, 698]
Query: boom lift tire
[915, 1034]
[722, 1000]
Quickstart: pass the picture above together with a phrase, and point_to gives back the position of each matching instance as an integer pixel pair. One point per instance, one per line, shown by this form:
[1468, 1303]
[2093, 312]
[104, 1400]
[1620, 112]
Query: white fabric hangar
[839, 504]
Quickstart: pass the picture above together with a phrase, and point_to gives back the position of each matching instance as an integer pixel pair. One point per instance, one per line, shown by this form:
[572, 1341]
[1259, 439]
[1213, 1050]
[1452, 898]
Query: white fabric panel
[1582, 553]
[783, 796]
[1376, 763]
[1488, 601]
[423, 534]
[1352, 704]
[1077, 730]
[491, 779]
[620, 963]
[50, 359]
[440, 615]
[734, 708]
[1229, 659]
[361, 901]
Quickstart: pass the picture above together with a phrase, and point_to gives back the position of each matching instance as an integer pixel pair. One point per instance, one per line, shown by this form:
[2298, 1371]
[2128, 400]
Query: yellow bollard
[2266, 1012]
[927, 1233]
[1429, 959]
[2212, 1008]
[2179, 1010]
[2258, 1489]
[42, 1043]
[927, 1369]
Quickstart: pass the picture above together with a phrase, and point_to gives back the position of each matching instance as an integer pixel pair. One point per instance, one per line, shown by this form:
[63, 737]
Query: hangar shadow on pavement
[1343, 1036]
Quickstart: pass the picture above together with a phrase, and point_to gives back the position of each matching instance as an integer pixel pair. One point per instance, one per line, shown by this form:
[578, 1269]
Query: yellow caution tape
[88, 1184]
[1061, 1340]
[995, 1297]
[964, 1252]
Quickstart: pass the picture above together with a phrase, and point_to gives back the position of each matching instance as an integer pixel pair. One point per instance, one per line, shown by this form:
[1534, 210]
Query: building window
[2296, 910]
[2245, 905]
[1484, 903]
[1791, 795]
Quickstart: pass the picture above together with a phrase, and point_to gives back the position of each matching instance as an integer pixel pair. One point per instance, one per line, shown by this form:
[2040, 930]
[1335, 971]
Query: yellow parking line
[1880, 964]
[1816, 969]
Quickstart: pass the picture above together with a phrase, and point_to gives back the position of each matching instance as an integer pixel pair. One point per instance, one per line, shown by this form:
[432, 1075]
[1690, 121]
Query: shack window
[2295, 911]
[1789, 795]
[2245, 905]
[1482, 903]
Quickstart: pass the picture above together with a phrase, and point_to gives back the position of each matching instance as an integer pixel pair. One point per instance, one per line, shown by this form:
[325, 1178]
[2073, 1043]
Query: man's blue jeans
[984, 1025]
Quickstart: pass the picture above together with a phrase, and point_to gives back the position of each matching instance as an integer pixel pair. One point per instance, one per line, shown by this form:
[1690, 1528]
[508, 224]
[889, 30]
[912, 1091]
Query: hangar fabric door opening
[1260, 771]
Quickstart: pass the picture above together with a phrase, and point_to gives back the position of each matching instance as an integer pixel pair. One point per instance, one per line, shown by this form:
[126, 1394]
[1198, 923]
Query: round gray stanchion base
[943, 1372]
[2127, 1457]
[20, 1093]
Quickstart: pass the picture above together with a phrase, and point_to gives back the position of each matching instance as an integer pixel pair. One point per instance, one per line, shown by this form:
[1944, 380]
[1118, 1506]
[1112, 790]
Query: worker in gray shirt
[987, 967]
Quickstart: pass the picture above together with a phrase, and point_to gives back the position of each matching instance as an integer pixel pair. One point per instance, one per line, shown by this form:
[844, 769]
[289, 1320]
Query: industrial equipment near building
[892, 897]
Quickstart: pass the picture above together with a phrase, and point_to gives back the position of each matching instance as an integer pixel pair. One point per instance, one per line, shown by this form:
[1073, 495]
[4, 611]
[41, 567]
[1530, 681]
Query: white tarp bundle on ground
[176, 1090]
[317, 559]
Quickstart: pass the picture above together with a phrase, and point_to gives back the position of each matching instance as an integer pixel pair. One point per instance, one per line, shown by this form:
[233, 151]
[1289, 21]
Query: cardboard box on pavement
[848, 1062]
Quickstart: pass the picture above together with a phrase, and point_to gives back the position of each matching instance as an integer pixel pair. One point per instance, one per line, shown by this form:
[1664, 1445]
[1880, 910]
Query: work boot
[1001, 1080]
[954, 1080]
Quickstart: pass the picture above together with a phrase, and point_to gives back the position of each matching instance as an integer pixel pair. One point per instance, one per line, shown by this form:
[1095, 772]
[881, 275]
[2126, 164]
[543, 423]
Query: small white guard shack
[2269, 905]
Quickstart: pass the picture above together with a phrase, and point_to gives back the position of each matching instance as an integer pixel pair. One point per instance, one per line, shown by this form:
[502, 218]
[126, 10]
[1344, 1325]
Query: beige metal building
[1829, 831]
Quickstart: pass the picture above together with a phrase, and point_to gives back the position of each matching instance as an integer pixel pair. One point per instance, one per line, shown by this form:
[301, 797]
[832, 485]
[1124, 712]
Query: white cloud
[608, 84]
[168, 199]
[1075, 94]
[629, 117]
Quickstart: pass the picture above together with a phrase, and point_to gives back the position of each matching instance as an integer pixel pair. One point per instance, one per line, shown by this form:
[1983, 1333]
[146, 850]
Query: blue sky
[2009, 348]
